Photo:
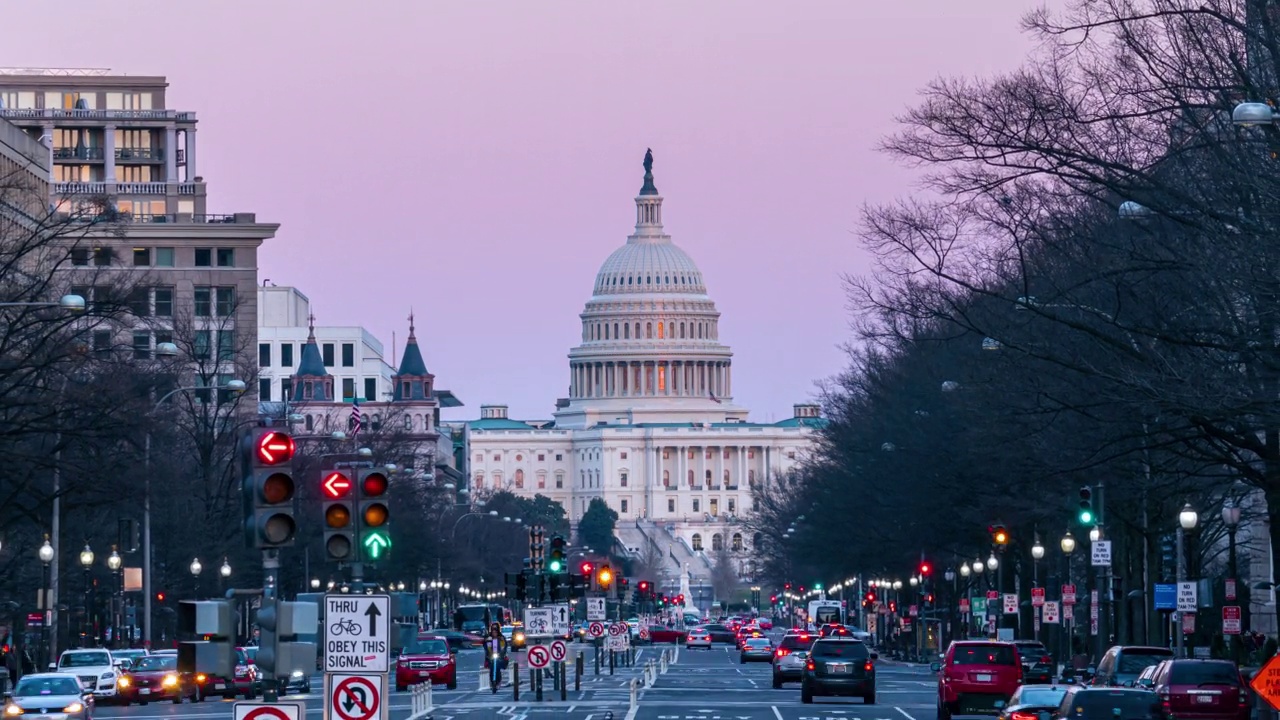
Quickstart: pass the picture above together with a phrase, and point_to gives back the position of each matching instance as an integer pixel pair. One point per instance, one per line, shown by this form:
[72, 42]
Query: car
[428, 659]
[130, 654]
[1033, 702]
[458, 640]
[859, 634]
[766, 624]
[838, 666]
[977, 678]
[50, 695]
[698, 637]
[1037, 663]
[514, 637]
[756, 650]
[95, 668]
[721, 634]
[794, 641]
[788, 666]
[746, 634]
[1121, 665]
[831, 629]
[662, 635]
[1111, 703]
[1201, 690]
[155, 678]
[247, 681]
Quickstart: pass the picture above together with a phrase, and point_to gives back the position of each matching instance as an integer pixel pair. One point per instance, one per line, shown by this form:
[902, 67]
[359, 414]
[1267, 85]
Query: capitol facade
[650, 424]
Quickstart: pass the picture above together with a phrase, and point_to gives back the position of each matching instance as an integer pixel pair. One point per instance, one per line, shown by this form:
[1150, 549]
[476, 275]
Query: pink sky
[478, 160]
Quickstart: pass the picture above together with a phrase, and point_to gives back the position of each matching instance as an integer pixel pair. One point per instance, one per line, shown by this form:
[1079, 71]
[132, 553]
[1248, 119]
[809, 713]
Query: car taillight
[781, 652]
[808, 665]
[868, 666]
[1023, 716]
[1047, 660]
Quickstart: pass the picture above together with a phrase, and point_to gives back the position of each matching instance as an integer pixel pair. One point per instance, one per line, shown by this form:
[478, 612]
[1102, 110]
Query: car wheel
[742, 660]
[400, 688]
[777, 682]
[944, 713]
[177, 699]
[452, 684]
[806, 695]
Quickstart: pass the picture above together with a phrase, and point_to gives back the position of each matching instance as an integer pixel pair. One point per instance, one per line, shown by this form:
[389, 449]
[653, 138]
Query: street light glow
[1188, 518]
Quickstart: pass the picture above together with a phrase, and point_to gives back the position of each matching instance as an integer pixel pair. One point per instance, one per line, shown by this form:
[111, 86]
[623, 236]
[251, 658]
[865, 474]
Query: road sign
[559, 651]
[1166, 596]
[993, 595]
[980, 606]
[1068, 594]
[913, 611]
[1267, 682]
[1010, 603]
[596, 629]
[644, 633]
[357, 633]
[1050, 611]
[356, 697]
[1101, 553]
[616, 642]
[1231, 589]
[560, 617]
[1037, 597]
[1188, 623]
[1231, 620]
[539, 656]
[1186, 597]
[964, 605]
[538, 621]
[267, 711]
[595, 609]
[619, 628]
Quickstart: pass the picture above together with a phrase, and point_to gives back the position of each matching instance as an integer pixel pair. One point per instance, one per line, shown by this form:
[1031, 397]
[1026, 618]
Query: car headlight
[122, 681]
[201, 677]
[12, 710]
[519, 637]
[170, 680]
[106, 676]
[74, 707]
[296, 674]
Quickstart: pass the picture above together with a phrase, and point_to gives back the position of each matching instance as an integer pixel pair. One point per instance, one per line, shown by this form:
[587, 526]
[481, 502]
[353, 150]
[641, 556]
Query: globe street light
[46, 551]
[992, 562]
[46, 554]
[114, 561]
[225, 570]
[1188, 518]
[1095, 534]
[1037, 550]
[978, 567]
[964, 570]
[315, 583]
[86, 557]
[196, 567]
[86, 562]
[1068, 544]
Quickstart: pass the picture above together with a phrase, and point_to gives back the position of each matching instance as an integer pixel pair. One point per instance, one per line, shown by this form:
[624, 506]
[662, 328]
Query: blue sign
[1166, 596]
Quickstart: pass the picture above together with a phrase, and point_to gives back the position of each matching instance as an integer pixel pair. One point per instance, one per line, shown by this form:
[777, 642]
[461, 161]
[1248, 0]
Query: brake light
[782, 652]
[804, 636]
[868, 666]
[1023, 716]
[808, 665]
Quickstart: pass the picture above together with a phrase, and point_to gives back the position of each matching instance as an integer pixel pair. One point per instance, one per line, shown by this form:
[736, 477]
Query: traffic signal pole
[270, 581]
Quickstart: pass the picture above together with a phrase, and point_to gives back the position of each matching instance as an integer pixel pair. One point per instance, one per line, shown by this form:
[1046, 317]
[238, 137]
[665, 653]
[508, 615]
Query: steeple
[412, 381]
[648, 206]
[312, 382]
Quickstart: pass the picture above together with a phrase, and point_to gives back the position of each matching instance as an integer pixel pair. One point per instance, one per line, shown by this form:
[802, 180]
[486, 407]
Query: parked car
[429, 659]
[838, 666]
[1033, 702]
[50, 695]
[1201, 690]
[977, 678]
[1037, 663]
[1122, 664]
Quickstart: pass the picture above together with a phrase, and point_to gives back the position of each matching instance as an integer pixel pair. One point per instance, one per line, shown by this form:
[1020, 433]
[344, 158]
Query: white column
[170, 154]
[47, 137]
[109, 152]
[728, 380]
[190, 136]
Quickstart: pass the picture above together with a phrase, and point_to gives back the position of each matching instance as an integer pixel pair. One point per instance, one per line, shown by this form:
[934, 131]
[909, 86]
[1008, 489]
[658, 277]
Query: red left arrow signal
[336, 485]
[275, 448]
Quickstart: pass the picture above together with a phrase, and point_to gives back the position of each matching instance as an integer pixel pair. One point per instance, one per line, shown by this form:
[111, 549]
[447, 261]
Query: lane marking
[776, 713]
[904, 713]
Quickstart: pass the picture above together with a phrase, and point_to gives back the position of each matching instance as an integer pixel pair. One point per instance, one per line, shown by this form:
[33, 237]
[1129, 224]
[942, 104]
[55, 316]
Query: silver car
[52, 696]
[788, 666]
[698, 637]
[756, 650]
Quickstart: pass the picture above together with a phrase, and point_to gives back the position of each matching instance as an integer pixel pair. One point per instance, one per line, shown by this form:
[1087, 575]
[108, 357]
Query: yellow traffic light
[604, 577]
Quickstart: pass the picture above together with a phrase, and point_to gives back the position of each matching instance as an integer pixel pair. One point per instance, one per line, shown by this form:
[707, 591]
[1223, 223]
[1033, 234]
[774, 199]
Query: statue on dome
[648, 161]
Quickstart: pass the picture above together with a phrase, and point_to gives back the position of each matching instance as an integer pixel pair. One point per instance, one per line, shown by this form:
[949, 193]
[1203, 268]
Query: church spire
[412, 381]
[312, 382]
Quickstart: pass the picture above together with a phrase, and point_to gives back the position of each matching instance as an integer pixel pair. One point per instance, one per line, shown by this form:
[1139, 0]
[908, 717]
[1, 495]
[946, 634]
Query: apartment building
[24, 171]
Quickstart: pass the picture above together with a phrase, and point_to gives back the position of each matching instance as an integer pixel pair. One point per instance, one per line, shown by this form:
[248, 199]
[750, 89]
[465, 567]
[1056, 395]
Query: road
[702, 685]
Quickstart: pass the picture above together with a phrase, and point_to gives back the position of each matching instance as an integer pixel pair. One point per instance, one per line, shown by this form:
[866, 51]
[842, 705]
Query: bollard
[577, 673]
[662, 663]
[564, 688]
[515, 682]
[537, 686]
[635, 691]
[484, 680]
[597, 654]
[612, 660]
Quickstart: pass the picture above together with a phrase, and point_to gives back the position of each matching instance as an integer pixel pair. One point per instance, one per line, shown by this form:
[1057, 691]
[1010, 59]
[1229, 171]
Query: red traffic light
[586, 568]
[925, 568]
[871, 597]
[680, 599]
[374, 484]
[336, 485]
[773, 599]
[643, 585]
[275, 448]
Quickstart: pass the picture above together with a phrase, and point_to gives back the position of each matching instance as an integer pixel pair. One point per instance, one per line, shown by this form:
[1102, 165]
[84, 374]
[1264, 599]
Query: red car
[156, 677]
[427, 660]
[1201, 690]
[246, 682]
[661, 634]
[765, 623]
[977, 678]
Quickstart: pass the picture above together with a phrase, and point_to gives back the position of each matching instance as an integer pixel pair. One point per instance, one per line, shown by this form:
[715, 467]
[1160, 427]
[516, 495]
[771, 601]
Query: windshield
[791, 642]
[825, 615]
[241, 658]
[47, 686]
[130, 654]
[1204, 673]
[89, 659]
[1132, 662]
[1042, 697]
[850, 650]
[1088, 704]
[758, 643]
[155, 663]
[428, 646]
[984, 655]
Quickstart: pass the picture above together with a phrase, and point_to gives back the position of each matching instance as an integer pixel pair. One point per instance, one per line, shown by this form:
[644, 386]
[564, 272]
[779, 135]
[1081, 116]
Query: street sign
[1231, 589]
[1101, 555]
[595, 609]
[964, 605]
[616, 642]
[267, 711]
[1050, 611]
[1010, 603]
[560, 617]
[358, 633]
[1186, 597]
[539, 656]
[356, 697]
[1231, 620]
[1188, 623]
[559, 651]
[644, 633]
[596, 629]
[1068, 594]
[979, 606]
[1037, 597]
[619, 629]
[538, 621]
[913, 611]
[906, 624]
[993, 595]
[1267, 682]
[1166, 596]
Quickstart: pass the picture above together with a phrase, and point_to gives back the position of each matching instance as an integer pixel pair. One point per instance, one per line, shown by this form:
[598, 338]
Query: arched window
[637, 331]
[648, 330]
[497, 480]
[615, 331]
[408, 422]
[479, 480]
[726, 477]
[520, 479]
[751, 478]
[717, 543]
[737, 542]
[690, 478]
[666, 478]
[708, 478]
[697, 542]
[682, 331]
[626, 332]
[542, 481]
[660, 335]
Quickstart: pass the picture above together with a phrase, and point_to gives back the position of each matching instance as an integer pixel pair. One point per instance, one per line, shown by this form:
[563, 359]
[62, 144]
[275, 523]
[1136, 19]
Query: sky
[478, 161]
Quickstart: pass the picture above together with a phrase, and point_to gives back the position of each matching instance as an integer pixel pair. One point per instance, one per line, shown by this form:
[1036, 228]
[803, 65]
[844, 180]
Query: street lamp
[1068, 544]
[992, 562]
[196, 567]
[114, 563]
[964, 570]
[1231, 519]
[225, 571]
[45, 553]
[1187, 520]
[1037, 550]
[1095, 534]
[978, 567]
[315, 583]
[70, 303]
[86, 561]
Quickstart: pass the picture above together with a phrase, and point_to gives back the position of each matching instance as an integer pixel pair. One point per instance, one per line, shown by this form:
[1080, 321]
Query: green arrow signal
[375, 544]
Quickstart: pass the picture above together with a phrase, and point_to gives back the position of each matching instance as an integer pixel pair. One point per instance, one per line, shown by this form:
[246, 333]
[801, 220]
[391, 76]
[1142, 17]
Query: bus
[477, 618]
[822, 612]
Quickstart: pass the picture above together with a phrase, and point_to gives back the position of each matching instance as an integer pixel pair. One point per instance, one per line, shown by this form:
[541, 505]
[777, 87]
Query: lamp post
[114, 564]
[1187, 520]
[1068, 545]
[1037, 554]
[1231, 519]
[224, 574]
[46, 555]
[86, 627]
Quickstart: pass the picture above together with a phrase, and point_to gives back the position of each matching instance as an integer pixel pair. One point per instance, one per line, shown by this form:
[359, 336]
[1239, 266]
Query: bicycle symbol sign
[357, 629]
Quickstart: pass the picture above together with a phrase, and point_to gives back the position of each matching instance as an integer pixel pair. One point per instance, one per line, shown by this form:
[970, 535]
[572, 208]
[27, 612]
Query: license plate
[144, 691]
[983, 678]
[424, 673]
[1204, 699]
[838, 669]
[219, 686]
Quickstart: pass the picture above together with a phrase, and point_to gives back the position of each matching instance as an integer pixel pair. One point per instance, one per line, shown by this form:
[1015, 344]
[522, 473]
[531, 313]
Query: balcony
[18, 116]
[103, 188]
[139, 155]
[77, 153]
[169, 219]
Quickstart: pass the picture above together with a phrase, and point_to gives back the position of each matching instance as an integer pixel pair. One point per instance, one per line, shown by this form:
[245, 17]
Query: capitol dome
[644, 266]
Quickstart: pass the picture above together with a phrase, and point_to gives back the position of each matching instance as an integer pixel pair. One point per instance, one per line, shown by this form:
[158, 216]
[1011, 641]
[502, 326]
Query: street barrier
[420, 702]
[635, 693]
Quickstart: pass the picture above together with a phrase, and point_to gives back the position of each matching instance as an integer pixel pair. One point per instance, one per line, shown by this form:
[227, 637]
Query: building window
[696, 541]
[519, 457]
[751, 478]
[541, 457]
[326, 352]
[733, 507]
[226, 257]
[660, 334]
[648, 331]
[142, 257]
[717, 541]
[264, 354]
[370, 389]
[286, 354]
[726, 453]
[707, 479]
[226, 345]
[202, 345]
[497, 458]
[519, 479]
[559, 481]
[751, 453]
[479, 480]
[671, 505]
[622, 479]
[791, 455]
[204, 301]
[691, 478]
[140, 302]
[708, 457]
[348, 355]
[666, 454]
[164, 257]
[348, 388]
[696, 505]
[226, 301]
[204, 257]
[141, 345]
[559, 457]
[79, 256]
[713, 506]
[622, 504]
[102, 256]
[666, 478]
[622, 455]
[164, 302]
[726, 478]
[286, 388]
[690, 453]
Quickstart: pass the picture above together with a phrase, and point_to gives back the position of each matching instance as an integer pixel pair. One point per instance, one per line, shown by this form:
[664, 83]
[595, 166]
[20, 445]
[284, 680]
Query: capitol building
[650, 424]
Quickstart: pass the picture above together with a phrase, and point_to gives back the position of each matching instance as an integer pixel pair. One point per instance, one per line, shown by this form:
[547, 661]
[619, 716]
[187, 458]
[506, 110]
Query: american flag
[357, 418]
[714, 398]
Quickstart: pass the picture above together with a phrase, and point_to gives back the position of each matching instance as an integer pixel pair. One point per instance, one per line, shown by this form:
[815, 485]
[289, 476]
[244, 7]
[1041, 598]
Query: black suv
[839, 666]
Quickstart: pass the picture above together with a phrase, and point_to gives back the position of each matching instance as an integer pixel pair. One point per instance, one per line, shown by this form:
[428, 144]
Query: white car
[95, 668]
[698, 638]
[859, 634]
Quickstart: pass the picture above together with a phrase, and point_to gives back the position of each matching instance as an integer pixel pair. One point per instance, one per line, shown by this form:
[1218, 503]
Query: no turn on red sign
[267, 711]
[355, 697]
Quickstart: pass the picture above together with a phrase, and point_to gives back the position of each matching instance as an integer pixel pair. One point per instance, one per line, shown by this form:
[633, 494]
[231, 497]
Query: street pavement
[702, 685]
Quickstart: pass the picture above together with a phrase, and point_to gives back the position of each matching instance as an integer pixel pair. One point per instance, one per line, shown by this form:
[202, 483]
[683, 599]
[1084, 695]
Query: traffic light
[680, 599]
[268, 489]
[1085, 514]
[374, 515]
[556, 591]
[586, 568]
[336, 489]
[773, 599]
[925, 568]
[787, 587]
[604, 577]
[214, 622]
[999, 536]
[555, 558]
[536, 548]
[279, 624]
[893, 606]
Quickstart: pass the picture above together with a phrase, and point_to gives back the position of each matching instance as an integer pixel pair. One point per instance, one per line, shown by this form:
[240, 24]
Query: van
[1122, 664]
